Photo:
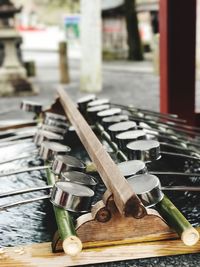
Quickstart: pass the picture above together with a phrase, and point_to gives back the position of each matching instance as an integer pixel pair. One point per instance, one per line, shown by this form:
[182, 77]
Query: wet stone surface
[27, 223]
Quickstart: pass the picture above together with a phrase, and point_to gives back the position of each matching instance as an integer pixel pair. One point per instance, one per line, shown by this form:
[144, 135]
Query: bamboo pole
[189, 235]
[120, 155]
[72, 245]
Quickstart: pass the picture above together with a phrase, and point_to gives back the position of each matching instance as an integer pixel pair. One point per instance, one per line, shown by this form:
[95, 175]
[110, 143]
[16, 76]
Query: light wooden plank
[41, 255]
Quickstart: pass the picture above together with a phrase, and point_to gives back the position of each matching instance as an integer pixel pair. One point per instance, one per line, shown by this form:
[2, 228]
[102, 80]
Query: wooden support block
[117, 229]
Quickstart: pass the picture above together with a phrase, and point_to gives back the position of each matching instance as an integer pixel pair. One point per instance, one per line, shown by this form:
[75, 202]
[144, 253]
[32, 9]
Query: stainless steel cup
[132, 167]
[107, 121]
[65, 163]
[83, 102]
[79, 178]
[117, 128]
[108, 113]
[31, 106]
[98, 102]
[148, 188]
[145, 150]
[53, 129]
[42, 135]
[72, 197]
[48, 150]
[124, 138]
[57, 120]
[91, 112]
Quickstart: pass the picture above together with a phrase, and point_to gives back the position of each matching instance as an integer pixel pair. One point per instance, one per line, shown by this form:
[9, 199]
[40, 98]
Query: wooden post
[91, 46]
[177, 58]
[63, 63]
[198, 40]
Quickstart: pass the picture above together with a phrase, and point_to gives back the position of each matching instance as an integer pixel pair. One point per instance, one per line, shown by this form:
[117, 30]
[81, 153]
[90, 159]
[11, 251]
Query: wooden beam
[177, 58]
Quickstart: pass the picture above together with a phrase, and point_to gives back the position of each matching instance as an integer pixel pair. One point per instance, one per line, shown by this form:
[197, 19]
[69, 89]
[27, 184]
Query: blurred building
[114, 26]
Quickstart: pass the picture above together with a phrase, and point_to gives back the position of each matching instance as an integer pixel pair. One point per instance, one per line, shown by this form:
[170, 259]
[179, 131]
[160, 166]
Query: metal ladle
[40, 136]
[93, 111]
[83, 102]
[108, 113]
[9, 135]
[25, 105]
[70, 176]
[97, 102]
[162, 133]
[165, 127]
[48, 150]
[149, 150]
[122, 157]
[117, 128]
[126, 137]
[56, 120]
[130, 108]
[69, 196]
[58, 129]
[55, 123]
[148, 189]
[107, 121]
[134, 167]
[61, 163]
[30, 106]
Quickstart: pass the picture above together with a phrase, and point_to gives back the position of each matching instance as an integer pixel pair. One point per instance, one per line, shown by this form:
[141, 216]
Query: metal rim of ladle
[122, 126]
[148, 188]
[53, 129]
[132, 167]
[42, 135]
[64, 163]
[107, 121]
[98, 102]
[72, 197]
[55, 116]
[31, 106]
[145, 150]
[126, 137]
[109, 112]
[79, 178]
[48, 150]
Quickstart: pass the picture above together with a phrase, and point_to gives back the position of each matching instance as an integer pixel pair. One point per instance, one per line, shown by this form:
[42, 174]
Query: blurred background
[125, 37]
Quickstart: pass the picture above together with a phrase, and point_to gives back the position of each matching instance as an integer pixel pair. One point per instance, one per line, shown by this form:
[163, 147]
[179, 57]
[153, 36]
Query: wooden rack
[109, 224]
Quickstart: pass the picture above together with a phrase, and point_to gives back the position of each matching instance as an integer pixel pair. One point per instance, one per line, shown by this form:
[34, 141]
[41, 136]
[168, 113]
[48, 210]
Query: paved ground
[123, 83]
